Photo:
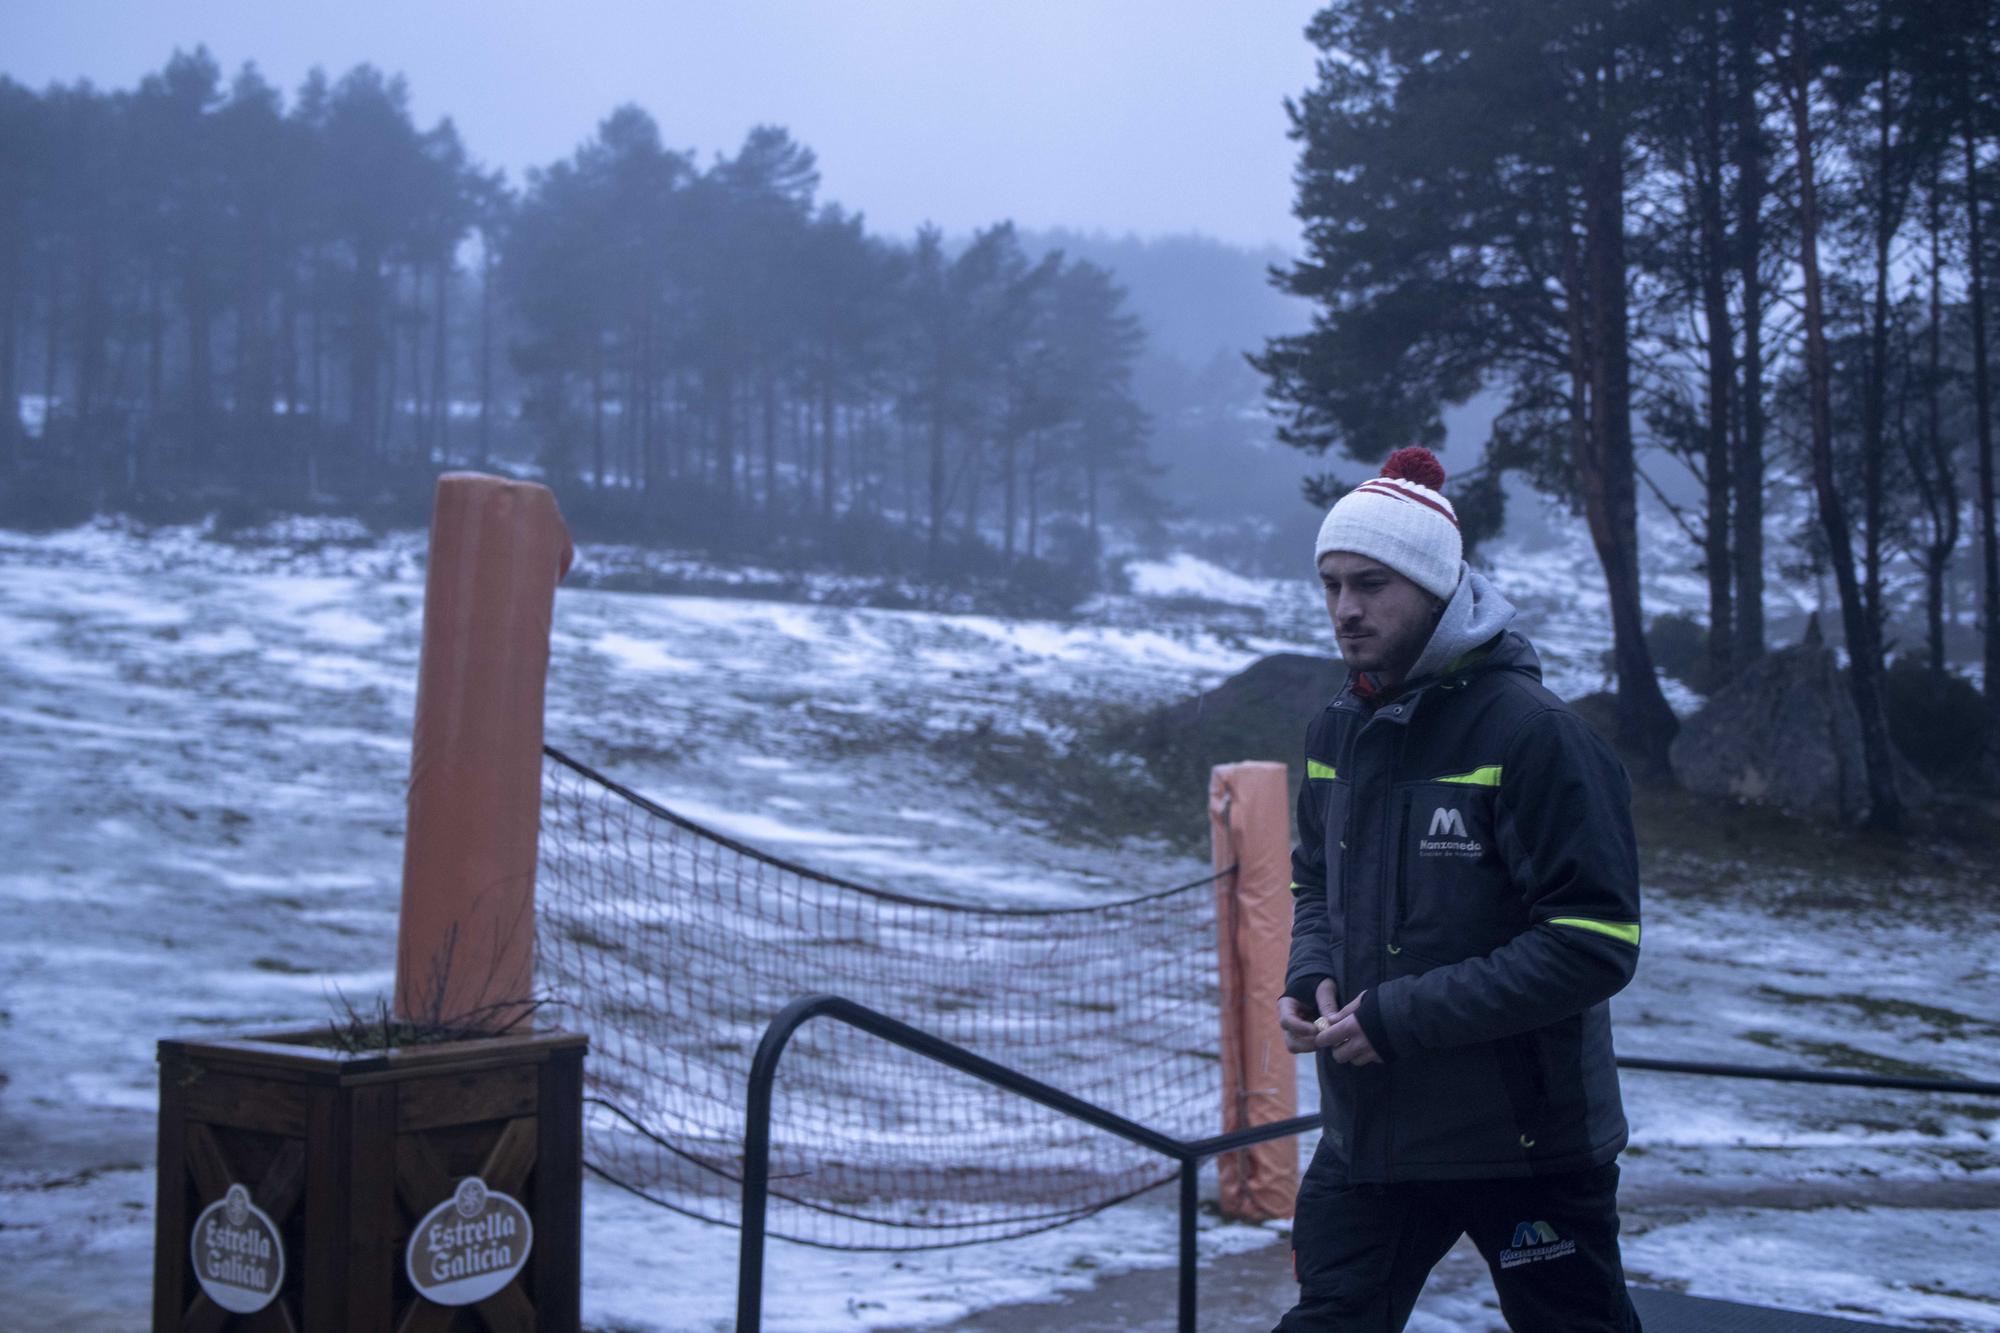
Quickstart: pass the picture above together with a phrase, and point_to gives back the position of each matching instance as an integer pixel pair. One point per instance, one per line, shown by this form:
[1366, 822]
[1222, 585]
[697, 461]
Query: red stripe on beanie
[1377, 486]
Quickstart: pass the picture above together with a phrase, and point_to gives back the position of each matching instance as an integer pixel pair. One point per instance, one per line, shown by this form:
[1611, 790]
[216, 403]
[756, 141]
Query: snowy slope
[205, 748]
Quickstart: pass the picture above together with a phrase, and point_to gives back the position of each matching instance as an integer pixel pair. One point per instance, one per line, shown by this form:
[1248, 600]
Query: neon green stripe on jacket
[1625, 931]
[1478, 777]
[1315, 769]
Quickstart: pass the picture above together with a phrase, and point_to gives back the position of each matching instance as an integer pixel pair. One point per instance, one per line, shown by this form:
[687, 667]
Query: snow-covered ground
[201, 805]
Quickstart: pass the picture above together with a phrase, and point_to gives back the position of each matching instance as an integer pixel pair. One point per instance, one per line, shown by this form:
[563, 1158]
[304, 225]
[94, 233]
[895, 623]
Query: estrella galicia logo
[1448, 836]
[1533, 1243]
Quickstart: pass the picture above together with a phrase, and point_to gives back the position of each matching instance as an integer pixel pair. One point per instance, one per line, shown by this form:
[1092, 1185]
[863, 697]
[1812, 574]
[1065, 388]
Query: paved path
[1248, 1293]
[1238, 1293]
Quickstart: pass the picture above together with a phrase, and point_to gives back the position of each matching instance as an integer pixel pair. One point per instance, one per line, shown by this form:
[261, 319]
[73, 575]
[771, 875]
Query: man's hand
[1342, 1034]
[1297, 1024]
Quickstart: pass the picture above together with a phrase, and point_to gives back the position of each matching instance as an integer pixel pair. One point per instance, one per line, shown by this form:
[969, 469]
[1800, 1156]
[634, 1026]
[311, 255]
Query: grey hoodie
[1476, 612]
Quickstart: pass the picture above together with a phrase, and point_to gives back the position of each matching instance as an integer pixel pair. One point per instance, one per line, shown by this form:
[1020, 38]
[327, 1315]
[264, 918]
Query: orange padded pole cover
[465, 949]
[1249, 818]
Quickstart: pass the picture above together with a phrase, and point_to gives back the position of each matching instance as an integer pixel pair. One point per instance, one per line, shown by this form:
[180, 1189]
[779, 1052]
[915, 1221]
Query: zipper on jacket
[1402, 827]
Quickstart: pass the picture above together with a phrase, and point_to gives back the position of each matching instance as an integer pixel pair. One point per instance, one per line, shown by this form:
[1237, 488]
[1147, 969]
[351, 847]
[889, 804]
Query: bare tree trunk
[200, 320]
[1009, 446]
[92, 319]
[628, 422]
[256, 384]
[975, 471]
[1875, 403]
[935, 533]
[1941, 496]
[441, 365]
[826, 446]
[420, 411]
[1982, 395]
[364, 369]
[770, 424]
[1747, 472]
[486, 264]
[288, 361]
[725, 440]
[597, 413]
[1646, 725]
[156, 356]
[1721, 371]
[317, 315]
[1864, 648]
[1034, 498]
[10, 384]
[649, 390]
[391, 354]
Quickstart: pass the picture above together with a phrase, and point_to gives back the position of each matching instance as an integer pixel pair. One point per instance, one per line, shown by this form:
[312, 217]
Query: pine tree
[1462, 182]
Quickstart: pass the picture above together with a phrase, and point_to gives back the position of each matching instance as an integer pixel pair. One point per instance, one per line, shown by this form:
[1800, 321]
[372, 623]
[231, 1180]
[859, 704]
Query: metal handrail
[1190, 1153]
[757, 1134]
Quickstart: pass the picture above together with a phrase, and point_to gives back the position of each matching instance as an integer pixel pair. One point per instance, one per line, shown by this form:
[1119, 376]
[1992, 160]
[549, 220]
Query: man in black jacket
[1466, 901]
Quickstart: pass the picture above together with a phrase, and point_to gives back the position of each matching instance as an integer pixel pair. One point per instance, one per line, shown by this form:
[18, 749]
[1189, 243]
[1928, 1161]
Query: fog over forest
[215, 291]
[222, 290]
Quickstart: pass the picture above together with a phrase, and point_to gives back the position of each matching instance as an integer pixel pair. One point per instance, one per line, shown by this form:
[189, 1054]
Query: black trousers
[1362, 1252]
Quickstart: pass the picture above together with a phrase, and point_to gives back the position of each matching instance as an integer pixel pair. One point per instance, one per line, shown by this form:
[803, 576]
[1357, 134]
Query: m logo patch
[1448, 836]
[1535, 1242]
[1535, 1233]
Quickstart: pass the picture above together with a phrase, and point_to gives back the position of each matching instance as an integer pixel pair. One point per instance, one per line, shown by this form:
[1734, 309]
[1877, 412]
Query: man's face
[1381, 619]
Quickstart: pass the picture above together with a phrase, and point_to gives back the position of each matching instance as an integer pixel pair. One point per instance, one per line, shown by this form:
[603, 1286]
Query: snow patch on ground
[1936, 1267]
[208, 742]
[1185, 575]
[640, 1258]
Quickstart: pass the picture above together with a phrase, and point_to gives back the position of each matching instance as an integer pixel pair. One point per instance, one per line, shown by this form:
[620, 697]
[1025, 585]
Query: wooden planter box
[345, 1153]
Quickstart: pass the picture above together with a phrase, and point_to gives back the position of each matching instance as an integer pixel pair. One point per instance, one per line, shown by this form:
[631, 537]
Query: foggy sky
[1150, 116]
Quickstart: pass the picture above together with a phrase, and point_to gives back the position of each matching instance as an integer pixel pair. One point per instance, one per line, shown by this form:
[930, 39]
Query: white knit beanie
[1401, 519]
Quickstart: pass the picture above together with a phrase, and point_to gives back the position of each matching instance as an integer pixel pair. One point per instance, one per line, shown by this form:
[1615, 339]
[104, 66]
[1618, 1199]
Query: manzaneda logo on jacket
[469, 1246]
[1448, 836]
[239, 1258]
[1534, 1242]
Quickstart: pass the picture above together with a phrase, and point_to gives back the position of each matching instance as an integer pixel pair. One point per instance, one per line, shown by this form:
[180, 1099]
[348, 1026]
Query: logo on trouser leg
[1534, 1242]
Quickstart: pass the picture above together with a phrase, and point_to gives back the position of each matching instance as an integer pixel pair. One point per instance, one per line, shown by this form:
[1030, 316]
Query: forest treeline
[210, 291]
[1756, 235]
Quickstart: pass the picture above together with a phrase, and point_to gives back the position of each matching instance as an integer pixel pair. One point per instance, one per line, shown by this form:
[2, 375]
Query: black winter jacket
[1466, 858]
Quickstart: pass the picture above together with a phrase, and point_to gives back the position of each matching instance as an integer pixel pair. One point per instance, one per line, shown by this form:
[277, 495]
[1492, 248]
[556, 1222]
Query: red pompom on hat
[1417, 464]
[1402, 519]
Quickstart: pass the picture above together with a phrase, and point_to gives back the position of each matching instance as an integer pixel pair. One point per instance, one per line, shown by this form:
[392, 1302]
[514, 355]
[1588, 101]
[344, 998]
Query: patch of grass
[280, 966]
[1086, 780]
[1950, 1022]
[1712, 847]
[85, 1176]
[1086, 793]
[1839, 1055]
[1932, 1289]
[1975, 1110]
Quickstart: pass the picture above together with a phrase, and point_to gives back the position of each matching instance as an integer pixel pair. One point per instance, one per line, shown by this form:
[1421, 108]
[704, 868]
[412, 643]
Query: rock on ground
[1785, 733]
